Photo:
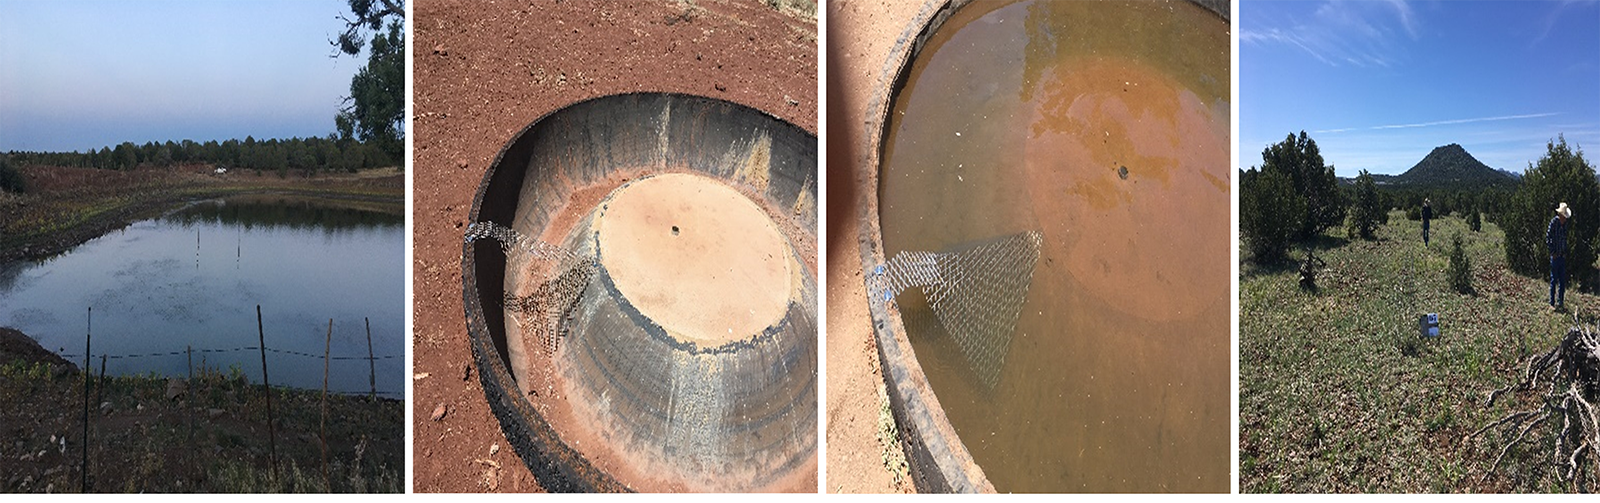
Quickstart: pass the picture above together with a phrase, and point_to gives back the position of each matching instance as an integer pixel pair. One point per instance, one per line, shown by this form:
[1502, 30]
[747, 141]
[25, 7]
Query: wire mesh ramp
[975, 289]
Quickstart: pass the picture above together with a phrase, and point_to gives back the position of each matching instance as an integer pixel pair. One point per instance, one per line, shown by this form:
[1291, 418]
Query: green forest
[308, 155]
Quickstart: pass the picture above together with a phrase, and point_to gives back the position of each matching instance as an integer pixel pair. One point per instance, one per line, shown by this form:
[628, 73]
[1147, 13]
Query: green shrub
[1269, 215]
[11, 179]
[1562, 175]
[1414, 213]
[1474, 221]
[1460, 268]
[1367, 210]
[1300, 161]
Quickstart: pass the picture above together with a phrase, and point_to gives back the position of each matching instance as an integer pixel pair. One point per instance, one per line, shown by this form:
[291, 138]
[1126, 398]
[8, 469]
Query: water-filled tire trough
[937, 459]
[662, 334]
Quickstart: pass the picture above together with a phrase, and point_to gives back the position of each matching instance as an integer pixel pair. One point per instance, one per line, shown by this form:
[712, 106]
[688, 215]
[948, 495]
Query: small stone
[466, 372]
[1122, 171]
[176, 388]
[214, 413]
[494, 449]
[438, 412]
[720, 87]
[461, 164]
[440, 50]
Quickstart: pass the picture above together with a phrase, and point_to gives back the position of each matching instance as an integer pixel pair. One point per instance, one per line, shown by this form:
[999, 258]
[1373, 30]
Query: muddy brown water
[1105, 126]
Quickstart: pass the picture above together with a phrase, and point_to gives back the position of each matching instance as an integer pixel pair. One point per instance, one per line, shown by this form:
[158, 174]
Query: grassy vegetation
[212, 438]
[1339, 393]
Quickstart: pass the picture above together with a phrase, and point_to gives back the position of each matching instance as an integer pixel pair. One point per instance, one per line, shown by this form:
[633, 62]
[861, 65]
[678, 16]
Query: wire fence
[327, 357]
[181, 352]
[208, 351]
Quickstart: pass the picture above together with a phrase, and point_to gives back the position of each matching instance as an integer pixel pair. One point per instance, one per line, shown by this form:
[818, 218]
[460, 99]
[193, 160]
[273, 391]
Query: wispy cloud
[1440, 123]
[1557, 12]
[1358, 34]
[1508, 144]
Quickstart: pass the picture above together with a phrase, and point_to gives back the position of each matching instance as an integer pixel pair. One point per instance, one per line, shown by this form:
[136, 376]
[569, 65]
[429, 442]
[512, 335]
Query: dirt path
[483, 71]
[861, 35]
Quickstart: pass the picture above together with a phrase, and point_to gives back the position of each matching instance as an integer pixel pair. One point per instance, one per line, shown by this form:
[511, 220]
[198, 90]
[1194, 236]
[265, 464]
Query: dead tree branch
[1571, 373]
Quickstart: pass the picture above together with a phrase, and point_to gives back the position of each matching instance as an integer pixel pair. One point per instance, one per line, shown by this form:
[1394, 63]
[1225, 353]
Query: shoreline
[115, 207]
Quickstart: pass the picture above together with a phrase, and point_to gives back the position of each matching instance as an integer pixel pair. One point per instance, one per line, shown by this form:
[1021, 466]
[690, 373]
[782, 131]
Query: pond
[193, 278]
[1104, 127]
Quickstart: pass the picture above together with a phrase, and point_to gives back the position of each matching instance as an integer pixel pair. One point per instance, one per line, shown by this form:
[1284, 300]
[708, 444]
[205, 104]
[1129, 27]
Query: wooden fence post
[327, 351]
[100, 392]
[372, 365]
[272, 435]
[88, 335]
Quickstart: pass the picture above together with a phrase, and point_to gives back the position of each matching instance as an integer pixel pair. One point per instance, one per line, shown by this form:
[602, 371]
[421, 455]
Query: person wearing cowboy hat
[1555, 238]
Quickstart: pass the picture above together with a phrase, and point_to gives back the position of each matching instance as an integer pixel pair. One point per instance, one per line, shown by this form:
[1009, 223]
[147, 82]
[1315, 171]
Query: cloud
[1555, 15]
[1357, 34]
[1503, 143]
[1441, 123]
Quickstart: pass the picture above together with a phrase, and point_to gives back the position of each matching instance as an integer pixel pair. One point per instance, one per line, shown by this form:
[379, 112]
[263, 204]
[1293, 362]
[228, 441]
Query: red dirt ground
[483, 71]
[860, 36]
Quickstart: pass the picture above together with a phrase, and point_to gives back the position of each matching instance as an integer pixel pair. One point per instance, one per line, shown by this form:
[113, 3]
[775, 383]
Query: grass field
[212, 438]
[1339, 393]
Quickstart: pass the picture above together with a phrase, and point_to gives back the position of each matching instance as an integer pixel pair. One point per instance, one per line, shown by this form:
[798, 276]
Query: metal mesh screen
[543, 313]
[976, 290]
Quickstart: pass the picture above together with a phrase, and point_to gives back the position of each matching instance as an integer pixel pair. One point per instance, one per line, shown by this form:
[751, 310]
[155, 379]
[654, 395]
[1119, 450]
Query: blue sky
[1379, 84]
[87, 74]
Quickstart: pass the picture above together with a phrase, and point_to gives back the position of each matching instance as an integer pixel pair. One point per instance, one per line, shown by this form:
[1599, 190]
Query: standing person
[1555, 238]
[1427, 214]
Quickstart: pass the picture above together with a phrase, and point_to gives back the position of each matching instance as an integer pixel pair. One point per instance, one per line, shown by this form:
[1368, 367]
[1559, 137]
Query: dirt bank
[861, 36]
[485, 70]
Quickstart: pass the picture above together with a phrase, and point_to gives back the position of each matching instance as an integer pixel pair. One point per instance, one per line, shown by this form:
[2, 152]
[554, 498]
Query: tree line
[308, 155]
[1293, 198]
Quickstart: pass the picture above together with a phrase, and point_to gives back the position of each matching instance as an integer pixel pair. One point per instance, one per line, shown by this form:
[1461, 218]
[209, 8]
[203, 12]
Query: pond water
[193, 278]
[1105, 127]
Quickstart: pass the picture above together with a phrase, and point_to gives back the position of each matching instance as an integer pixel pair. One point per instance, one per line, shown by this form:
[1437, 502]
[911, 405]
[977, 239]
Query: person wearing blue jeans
[1555, 238]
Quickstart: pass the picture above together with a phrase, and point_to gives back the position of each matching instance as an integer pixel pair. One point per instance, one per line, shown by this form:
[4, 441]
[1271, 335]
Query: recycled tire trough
[669, 400]
[937, 459]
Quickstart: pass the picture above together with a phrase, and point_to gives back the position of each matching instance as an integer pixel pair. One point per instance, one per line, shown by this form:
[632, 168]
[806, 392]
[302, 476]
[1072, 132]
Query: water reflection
[193, 279]
[284, 211]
